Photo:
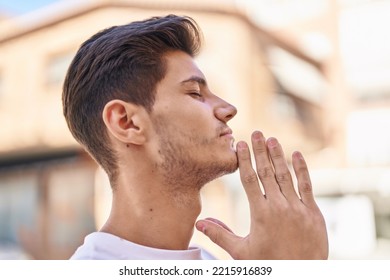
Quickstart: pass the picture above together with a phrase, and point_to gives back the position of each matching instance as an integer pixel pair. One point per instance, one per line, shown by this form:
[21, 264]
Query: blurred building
[350, 39]
[294, 80]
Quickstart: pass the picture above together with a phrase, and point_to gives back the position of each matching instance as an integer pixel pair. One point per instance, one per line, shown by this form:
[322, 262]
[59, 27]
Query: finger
[218, 234]
[219, 223]
[303, 178]
[265, 170]
[248, 176]
[282, 173]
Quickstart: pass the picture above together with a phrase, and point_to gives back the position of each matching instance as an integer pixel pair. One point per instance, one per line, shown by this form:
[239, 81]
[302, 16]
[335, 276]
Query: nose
[225, 111]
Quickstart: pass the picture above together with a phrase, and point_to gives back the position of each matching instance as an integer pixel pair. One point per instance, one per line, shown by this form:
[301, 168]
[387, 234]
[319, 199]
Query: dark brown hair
[122, 62]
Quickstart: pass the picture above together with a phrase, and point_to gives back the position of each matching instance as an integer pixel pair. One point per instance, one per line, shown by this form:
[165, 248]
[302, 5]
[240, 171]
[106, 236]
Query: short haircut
[122, 62]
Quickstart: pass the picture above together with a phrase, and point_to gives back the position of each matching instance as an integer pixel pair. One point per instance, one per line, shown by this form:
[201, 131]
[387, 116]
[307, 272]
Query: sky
[18, 7]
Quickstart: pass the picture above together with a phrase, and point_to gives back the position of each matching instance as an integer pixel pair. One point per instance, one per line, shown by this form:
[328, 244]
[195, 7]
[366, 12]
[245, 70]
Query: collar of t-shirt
[101, 245]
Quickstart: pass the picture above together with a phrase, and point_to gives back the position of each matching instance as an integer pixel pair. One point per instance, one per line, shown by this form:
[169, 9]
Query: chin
[217, 168]
[231, 164]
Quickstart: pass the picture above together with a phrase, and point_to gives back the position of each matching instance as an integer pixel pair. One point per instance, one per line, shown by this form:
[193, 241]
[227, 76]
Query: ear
[125, 121]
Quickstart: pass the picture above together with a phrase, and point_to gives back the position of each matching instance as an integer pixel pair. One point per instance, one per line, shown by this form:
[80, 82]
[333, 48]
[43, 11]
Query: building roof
[62, 10]
[66, 9]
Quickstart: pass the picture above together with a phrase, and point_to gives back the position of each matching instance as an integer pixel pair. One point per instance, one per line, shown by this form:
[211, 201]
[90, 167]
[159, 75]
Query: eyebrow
[195, 79]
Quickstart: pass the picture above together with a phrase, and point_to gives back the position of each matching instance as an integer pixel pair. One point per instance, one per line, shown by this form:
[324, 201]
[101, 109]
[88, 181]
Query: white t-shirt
[105, 246]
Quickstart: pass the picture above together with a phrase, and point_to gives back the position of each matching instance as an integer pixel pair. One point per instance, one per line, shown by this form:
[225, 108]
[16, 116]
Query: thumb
[219, 233]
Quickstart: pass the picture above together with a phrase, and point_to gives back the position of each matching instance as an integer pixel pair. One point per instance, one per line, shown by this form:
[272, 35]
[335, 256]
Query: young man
[135, 99]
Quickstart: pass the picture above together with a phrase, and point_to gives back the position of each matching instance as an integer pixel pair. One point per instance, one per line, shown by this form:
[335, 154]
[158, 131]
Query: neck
[153, 215]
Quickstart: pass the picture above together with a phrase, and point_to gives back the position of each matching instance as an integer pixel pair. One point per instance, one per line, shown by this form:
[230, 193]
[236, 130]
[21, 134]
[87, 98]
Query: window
[57, 67]
[298, 76]
[19, 202]
[46, 203]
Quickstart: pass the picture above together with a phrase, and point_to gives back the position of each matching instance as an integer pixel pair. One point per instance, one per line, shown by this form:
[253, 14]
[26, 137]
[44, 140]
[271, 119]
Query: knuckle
[315, 221]
[302, 169]
[276, 153]
[306, 187]
[298, 211]
[265, 172]
[285, 208]
[296, 214]
[259, 148]
[243, 155]
[249, 178]
[283, 177]
[281, 210]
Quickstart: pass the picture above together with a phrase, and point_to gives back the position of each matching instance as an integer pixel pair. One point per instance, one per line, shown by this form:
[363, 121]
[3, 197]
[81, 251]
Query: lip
[226, 132]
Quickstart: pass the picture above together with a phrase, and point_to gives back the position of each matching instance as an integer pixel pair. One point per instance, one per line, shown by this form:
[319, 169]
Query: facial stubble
[188, 161]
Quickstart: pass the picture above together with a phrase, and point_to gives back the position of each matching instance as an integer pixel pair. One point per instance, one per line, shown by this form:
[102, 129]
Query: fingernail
[297, 155]
[272, 142]
[200, 226]
[257, 135]
[242, 145]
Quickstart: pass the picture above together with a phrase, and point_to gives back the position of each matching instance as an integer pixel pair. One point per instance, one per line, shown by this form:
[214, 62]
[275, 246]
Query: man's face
[195, 145]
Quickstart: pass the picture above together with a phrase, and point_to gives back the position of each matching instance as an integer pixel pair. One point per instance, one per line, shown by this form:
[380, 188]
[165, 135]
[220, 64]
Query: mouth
[226, 132]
